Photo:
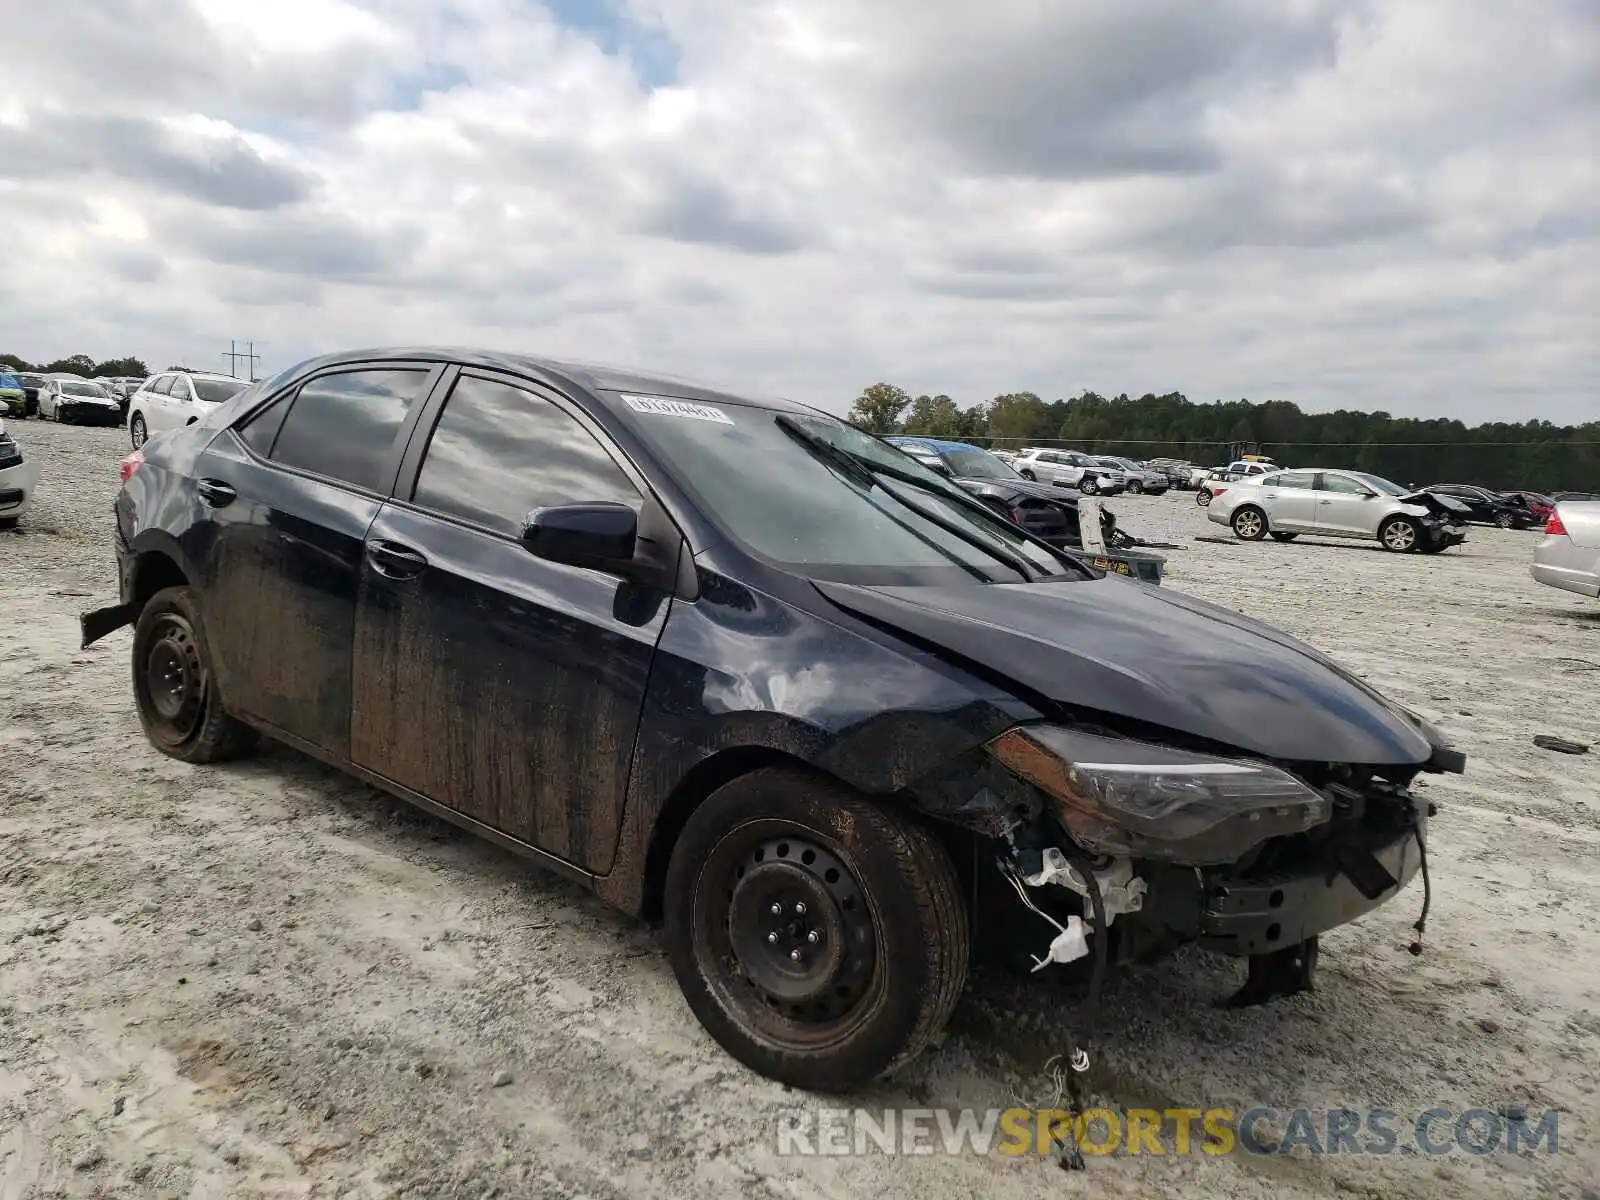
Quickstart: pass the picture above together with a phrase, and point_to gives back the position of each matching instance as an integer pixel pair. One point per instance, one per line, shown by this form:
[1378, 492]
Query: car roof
[199, 375]
[593, 377]
[939, 444]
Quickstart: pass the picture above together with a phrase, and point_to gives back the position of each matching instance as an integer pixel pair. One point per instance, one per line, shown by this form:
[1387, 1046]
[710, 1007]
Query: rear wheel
[1399, 534]
[1135, 488]
[1249, 524]
[1203, 497]
[1283, 537]
[173, 685]
[137, 433]
[820, 939]
[1504, 520]
[1027, 474]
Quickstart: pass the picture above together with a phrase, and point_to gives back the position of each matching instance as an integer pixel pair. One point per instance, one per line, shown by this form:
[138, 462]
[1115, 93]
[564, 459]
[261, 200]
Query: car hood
[1156, 656]
[1447, 506]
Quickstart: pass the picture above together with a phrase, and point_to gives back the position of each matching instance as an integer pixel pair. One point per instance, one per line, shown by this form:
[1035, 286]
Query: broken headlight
[1140, 800]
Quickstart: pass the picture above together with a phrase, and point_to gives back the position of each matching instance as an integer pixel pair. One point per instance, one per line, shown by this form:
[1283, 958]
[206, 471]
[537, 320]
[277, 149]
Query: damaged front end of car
[1161, 845]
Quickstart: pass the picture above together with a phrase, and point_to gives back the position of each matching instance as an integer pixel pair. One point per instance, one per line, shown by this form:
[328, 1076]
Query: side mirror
[599, 534]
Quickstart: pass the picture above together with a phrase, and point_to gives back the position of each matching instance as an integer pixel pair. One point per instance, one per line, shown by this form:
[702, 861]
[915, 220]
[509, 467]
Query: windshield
[9, 381]
[73, 387]
[787, 502]
[1379, 484]
[215, 391]
[973, 463]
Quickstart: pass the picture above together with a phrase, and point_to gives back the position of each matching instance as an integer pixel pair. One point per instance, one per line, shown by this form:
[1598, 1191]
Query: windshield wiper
[874, 471]
[854, 468]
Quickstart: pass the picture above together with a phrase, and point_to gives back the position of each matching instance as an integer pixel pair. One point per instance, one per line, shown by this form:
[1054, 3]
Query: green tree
[121, 366]
[878, 408]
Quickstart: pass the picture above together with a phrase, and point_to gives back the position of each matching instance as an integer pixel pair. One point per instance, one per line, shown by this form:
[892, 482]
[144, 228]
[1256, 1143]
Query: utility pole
[234, 354]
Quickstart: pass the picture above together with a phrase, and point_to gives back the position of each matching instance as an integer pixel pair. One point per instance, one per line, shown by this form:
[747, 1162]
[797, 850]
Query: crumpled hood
[1155, 655]
[1445, 506]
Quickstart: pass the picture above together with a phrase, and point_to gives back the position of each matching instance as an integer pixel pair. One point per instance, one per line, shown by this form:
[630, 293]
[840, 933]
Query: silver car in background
[1147, 480]
[1569, 556]
[1341, 504]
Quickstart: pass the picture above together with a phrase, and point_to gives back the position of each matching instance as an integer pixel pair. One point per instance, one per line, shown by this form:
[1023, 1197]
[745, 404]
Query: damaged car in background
[1338, 504]
[742, 668]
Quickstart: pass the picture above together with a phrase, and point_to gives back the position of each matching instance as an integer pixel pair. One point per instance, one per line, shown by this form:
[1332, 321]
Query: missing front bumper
[1267, 913]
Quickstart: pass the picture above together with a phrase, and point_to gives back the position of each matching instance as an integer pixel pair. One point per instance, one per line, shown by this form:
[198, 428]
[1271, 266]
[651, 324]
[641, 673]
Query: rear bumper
[1559, 563]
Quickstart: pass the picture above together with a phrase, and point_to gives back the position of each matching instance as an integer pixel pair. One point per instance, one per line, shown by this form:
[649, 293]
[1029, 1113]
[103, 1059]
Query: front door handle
[216, 493]
[394, 561]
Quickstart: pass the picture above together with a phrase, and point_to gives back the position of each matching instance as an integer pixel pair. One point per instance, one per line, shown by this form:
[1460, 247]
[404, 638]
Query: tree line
[1536, 455]
[80, 364]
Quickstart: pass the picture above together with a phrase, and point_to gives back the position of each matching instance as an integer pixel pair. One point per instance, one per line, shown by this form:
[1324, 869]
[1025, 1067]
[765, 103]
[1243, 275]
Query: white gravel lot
[267, 980]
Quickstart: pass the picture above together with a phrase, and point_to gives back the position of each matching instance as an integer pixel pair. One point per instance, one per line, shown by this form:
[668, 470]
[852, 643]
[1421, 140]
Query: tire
[1400, 535]
[138, 433]
[1135, 488]
[1283, 537]
[1504, 520]
[9, 522]
[1203, 497]
[893, 908]
[1089, 485]
[1249, 523]
[1026, 474]
[187, 721]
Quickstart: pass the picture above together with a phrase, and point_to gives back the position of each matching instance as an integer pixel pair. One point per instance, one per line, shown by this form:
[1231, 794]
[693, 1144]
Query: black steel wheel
[819, 938]
[173, 683]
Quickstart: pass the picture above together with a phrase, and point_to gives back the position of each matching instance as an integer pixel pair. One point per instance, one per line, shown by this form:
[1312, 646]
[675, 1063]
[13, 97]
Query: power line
[233, 354]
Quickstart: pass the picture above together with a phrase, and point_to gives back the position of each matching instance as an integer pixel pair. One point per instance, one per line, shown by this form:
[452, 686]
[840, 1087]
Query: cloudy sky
[1346, 203]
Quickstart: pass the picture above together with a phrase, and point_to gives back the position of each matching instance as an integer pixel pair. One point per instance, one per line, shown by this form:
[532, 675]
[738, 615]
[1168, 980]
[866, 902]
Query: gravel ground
[267, 980]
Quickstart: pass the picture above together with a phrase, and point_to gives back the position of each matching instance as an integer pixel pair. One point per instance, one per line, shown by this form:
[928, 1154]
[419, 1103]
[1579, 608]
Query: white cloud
[1329, 201]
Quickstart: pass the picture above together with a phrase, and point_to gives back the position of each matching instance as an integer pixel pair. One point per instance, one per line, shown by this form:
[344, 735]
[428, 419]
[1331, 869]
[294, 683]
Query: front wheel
[173, 684]
[1399, 534]
[137, 433]
[1089, 485]
[821, 939]
[1029, 475]
[1249, 524]
[1135, 488]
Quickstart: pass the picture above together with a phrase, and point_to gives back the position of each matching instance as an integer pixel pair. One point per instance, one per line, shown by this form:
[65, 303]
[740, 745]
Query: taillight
[1217, 491]
[1554, 525]
[131, 463]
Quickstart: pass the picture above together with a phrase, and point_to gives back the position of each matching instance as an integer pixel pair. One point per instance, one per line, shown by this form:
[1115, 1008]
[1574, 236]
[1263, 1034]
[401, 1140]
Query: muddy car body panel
[569, 608]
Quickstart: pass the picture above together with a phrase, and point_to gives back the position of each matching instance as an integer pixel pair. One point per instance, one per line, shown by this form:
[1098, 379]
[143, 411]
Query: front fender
[739, 670]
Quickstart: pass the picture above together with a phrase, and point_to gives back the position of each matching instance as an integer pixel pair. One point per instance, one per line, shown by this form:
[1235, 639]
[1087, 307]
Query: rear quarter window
[344, 425]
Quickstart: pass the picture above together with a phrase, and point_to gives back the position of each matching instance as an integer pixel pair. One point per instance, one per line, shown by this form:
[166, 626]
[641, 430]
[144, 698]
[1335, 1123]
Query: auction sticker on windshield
[663, 407]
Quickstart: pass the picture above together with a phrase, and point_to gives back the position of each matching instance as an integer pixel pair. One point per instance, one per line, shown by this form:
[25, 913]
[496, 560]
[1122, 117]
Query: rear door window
[498, 452]
[344, 425]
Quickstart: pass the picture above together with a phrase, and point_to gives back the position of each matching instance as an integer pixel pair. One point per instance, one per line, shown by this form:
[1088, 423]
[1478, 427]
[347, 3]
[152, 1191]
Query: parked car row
[834, 719]
[63, 396]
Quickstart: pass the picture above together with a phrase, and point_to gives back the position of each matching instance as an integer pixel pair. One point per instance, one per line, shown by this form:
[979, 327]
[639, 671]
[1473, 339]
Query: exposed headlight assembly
[1140, 800]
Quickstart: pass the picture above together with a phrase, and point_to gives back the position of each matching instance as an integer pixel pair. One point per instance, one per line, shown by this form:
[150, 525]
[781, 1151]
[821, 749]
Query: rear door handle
[216, 493]
[394, 561]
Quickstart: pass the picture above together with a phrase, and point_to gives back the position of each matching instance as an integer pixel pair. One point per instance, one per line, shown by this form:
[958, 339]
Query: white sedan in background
[19, 473]
[174, 399]
[1569, 556]
[1341, 504]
